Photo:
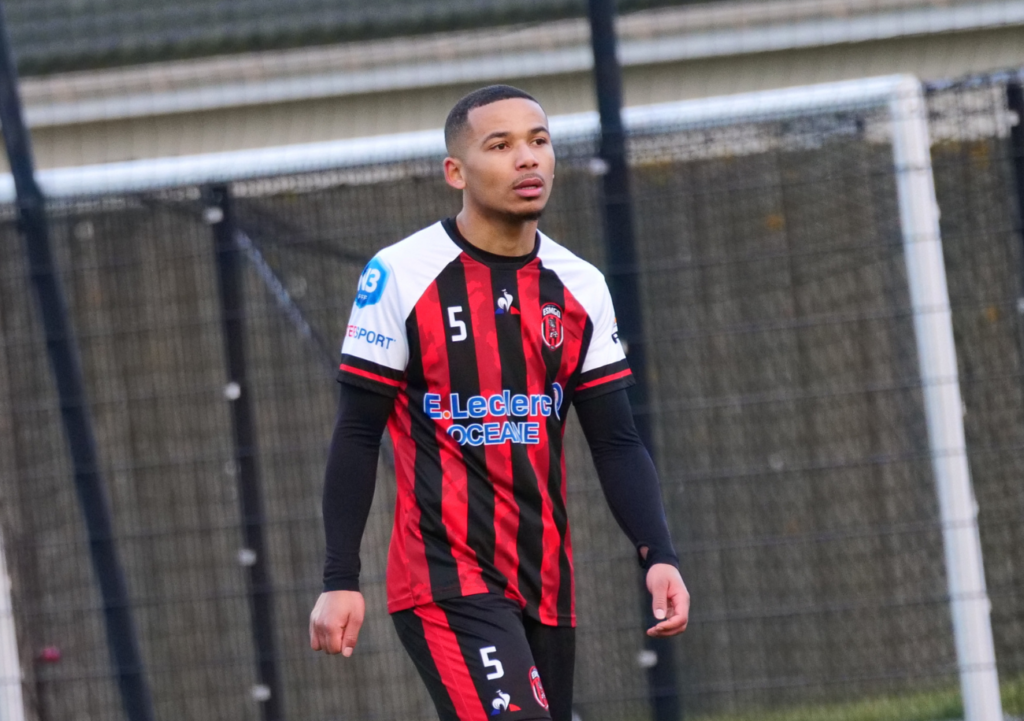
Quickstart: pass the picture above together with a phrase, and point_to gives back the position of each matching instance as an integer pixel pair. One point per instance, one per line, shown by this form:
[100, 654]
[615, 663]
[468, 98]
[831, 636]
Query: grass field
[926, 706]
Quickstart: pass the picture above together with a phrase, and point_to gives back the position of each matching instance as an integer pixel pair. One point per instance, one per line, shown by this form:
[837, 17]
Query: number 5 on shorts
[491, 662]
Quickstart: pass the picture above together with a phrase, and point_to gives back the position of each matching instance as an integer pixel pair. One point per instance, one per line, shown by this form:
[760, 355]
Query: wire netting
[786, 403]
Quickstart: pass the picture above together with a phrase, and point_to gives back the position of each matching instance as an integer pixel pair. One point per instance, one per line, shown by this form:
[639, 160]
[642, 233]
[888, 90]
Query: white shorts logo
[503, 703]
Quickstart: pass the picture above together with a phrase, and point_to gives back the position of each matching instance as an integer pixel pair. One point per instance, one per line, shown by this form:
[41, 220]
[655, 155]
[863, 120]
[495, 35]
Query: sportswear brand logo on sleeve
[370, 336]
[503, 405]
[371, 283]
[538, 688]
[551, 330]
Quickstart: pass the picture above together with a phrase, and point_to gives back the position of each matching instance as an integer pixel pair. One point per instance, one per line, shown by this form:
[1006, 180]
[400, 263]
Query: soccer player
[469, 340]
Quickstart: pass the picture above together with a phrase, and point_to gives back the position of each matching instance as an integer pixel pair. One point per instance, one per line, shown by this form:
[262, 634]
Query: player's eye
[499, 146]
[542, 141]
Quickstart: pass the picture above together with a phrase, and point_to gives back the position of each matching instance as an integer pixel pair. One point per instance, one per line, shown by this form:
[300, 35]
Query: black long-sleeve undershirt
[627, 474]
[350, 480]
[624, 467]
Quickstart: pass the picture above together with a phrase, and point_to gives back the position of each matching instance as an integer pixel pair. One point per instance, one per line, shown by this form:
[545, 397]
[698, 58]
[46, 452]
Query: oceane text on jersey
[499, 405]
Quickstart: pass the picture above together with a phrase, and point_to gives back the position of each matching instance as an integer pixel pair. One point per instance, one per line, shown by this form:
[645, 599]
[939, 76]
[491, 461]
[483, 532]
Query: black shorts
[481, 659]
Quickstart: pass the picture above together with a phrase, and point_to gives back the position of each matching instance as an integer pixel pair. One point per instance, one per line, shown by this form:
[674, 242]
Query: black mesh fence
[786, 404]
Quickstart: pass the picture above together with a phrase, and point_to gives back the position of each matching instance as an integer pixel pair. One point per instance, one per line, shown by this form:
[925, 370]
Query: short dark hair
[458, 118]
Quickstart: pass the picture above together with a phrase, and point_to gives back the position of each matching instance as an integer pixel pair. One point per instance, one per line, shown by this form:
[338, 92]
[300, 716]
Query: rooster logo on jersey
[505, 301]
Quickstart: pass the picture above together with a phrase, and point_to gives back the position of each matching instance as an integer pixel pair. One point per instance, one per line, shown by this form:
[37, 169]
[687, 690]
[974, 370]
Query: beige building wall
[394, 86]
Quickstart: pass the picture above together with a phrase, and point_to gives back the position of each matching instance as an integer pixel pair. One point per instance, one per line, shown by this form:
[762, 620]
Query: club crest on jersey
[551, 330]
[503, 702]
[504, 304]
[371, 283]
[538, 688]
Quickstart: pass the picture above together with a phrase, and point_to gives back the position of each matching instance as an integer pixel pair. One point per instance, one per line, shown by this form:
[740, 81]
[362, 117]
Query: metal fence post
[1015, 102]
[624, 284]
[250, 495]
[67, 371]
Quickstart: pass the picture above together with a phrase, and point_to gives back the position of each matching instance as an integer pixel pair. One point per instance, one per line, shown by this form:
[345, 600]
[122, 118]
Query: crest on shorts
[538, 688]
[551, 331]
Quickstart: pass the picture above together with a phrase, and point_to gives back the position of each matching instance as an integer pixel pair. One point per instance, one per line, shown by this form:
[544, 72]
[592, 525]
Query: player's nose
[526, 158]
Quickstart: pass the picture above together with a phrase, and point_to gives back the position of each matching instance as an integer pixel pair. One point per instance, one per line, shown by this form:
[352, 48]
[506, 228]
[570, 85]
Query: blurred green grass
[937, 705]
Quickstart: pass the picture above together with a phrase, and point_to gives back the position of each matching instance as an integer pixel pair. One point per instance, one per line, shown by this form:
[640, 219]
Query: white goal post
[12, 705]
[901, 96]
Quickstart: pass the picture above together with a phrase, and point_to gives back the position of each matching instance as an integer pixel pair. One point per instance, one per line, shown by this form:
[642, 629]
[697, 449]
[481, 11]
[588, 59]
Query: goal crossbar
[224, 167]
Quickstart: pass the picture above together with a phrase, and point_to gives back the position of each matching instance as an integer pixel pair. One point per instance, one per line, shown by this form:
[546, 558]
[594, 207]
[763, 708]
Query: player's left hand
[671, 600]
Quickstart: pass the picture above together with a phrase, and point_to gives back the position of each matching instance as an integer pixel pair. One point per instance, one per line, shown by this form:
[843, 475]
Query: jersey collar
[485, 257]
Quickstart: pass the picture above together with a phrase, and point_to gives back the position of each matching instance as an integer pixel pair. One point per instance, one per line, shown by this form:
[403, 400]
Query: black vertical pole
[1015, 102]
[250, 494]
[624, 284]
[67, 370]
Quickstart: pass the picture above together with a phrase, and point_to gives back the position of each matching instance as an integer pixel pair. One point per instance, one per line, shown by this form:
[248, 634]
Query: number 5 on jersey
[459, 326]
[485, 656]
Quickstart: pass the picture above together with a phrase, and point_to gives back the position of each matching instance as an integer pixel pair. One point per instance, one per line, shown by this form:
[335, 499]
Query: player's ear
[453, 173]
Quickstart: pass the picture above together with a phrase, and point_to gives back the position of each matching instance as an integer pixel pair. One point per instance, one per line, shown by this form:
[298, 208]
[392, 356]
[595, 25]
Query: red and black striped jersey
[483, 355]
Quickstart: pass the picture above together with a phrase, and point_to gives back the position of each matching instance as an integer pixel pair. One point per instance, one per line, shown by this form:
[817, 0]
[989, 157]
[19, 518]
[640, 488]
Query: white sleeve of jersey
[605, 348]
[376, 326]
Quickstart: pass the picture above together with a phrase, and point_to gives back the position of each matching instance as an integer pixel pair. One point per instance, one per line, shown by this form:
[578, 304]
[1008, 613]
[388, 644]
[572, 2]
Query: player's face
[508, 163]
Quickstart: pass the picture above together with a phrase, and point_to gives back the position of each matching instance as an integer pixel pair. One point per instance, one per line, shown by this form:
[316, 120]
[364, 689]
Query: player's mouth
[532, 186]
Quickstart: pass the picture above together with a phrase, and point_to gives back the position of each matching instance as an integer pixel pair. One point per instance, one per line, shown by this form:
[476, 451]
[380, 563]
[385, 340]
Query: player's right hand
[335, 622]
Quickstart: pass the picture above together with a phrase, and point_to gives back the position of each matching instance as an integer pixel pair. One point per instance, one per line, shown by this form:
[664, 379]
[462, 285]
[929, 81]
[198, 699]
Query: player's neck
[509, 238]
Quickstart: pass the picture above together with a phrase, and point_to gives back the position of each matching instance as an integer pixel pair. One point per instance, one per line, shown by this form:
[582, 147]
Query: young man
[470, 339]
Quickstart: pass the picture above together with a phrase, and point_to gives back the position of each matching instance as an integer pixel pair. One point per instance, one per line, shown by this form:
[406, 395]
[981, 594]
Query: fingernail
[659, 614]
[346, 652]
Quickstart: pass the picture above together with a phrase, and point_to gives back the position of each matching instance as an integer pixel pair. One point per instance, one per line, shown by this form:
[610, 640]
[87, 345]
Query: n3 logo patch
[371, 283]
